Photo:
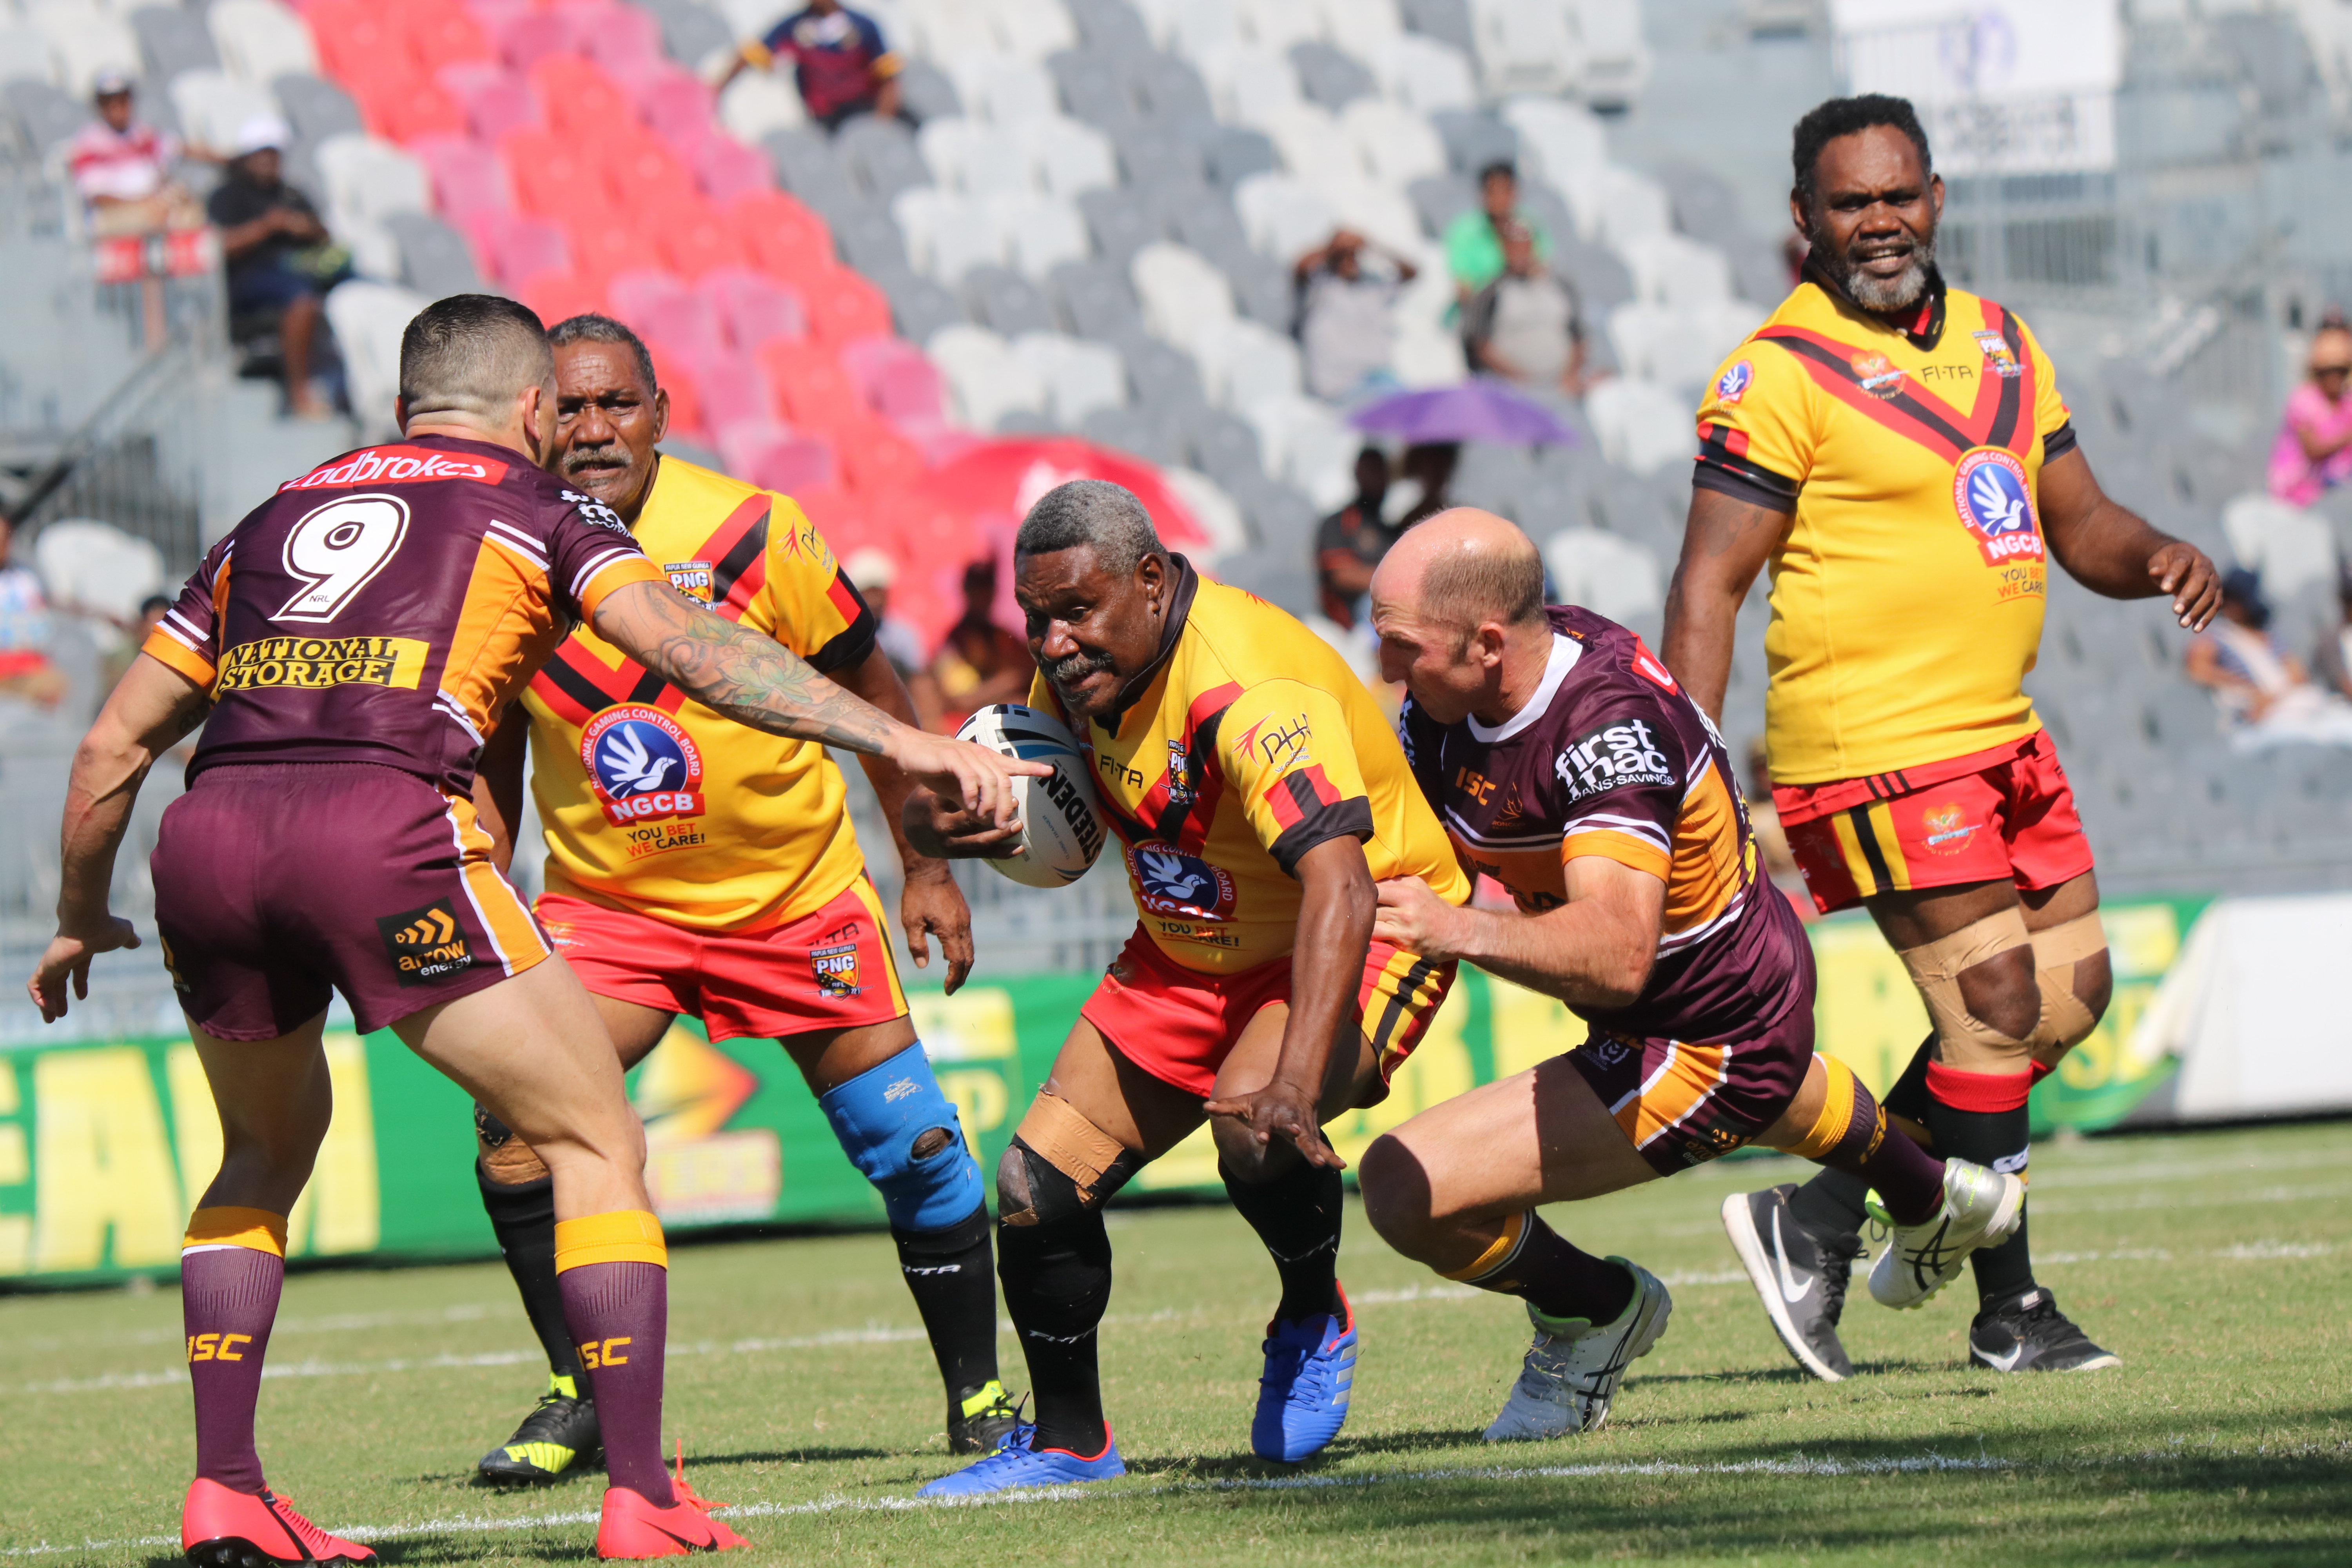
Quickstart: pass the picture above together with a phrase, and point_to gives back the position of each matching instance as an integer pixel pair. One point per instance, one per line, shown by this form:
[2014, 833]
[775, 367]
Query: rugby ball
[1061, 827]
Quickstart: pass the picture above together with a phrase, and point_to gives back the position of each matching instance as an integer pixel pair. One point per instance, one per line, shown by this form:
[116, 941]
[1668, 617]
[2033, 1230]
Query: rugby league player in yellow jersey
[1898, 451]
[1258, 793]
[697, 867]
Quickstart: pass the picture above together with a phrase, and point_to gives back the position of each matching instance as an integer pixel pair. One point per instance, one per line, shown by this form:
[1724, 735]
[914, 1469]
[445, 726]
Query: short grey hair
[1464, 589]
[1091, 512]
[472, 355]
[595, 328]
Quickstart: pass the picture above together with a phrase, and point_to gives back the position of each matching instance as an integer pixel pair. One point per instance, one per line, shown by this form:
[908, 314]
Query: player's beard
[1899, 292]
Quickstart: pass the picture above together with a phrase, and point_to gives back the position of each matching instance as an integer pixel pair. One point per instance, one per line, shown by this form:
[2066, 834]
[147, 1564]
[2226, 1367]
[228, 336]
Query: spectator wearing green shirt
[1474, 242]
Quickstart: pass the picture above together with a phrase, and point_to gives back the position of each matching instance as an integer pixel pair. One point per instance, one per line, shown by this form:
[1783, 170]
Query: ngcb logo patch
[644, 766]
[1613, 757]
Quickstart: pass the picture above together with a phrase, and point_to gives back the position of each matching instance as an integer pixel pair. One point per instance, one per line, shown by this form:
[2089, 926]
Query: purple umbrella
[1477, 410]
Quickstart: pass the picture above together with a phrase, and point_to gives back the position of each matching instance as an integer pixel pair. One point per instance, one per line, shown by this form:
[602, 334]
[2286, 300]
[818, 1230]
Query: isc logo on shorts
[836, 969]
[426, 944]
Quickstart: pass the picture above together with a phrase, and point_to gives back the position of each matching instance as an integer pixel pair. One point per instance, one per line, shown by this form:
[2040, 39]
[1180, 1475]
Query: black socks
[1995, 1139]
[949, 1273]
[1056, 1284]
[1296, 1214]
[523, 1218]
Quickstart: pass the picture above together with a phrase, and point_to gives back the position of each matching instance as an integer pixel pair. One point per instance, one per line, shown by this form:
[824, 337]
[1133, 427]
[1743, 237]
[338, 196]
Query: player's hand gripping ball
[1061, 828]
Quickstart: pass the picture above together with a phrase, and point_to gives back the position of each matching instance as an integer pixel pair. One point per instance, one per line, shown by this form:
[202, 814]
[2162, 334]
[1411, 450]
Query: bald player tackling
[1565, 762]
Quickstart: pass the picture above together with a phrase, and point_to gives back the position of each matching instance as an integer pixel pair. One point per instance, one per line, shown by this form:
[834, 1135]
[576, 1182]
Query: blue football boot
[1016, 1464]
[1302, 1400]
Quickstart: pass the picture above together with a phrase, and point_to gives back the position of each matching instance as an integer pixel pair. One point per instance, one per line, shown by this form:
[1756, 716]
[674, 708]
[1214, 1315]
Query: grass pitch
[2216, 1264]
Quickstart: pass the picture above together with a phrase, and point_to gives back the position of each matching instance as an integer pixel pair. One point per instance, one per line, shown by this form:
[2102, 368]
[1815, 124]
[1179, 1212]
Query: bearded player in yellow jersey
[694, 870]
[1898, 451]
[1259, 793]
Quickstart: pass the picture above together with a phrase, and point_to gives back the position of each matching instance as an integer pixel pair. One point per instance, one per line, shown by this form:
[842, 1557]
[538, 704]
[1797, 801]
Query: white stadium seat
[2291, 548]
[1359, 27]
[25, 54]
[1307, 445]
[1033, 29]
[1311, 146]
[948, 30]
[1282, 216]
[1277, 23]
[213, 106]
[1626, 207]
[1379, 212]
[974, 158]
[1182, 295]
[1423, 74]
[1213, 509]
[1004, 91]
[1678, 346]
[1427, 355]
[758, 102]
[1247, 83]
[1557, 141]
[948, 233]
[262, 40]
[1068, 156]
[1605, 572]
[1615, 62]
[1669, 269]
[97, 566]
[1080, 378]
[368, 319]
[984, 381]
[1525, 45]
[1396, 145]
[1641, 426]
[371, 179]
[84, 42]
[1191, 28]
[1242, 362]
[1038, 232]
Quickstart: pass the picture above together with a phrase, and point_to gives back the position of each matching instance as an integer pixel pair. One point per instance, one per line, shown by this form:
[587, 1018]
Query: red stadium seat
[698, 239]
[733, 387]
[839, 517]
[580, 99]
[842, 305]
[640, 172]
[558, 295]
[605, 244]
[518, 247]
[727, 169]
[797, 463]
[674, 103]
[659, 305]
[527, 38]
[743, 442]
[468, 177]
[685, 404]
[495, 101]
[755, 307]
[896, 379]
[625, 40]
[641, 292]
[809, 380]
[782, 238]
[877, 460]
[440, 36]
[352, 36]
[553, 176]
[413, 109]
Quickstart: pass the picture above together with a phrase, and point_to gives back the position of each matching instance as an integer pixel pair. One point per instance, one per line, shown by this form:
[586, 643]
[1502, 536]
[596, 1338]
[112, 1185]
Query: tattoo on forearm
[759, 682]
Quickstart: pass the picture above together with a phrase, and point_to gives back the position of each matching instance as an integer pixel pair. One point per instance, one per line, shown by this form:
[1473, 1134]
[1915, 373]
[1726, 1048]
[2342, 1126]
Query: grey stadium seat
[805, 163]
[1171, 91]
[1159, 375]
[927, 92]
[1027, 422]
[1093, 89]
[881, 154]
[1265, 289]
[434, 258]
[690, 33]
[868, 240]
[171, 40]
[1474, 139]
[1135, 430]
[1439, 199]
[315, 109]
[46, 115]
[1329, 78]
[1233, 154]
[1005, 303]
[1226, 448]
[1116, 220]
[1094, 300]
[1448, 21]
[1205, 221]
[1153, 160]
[1110, 26]
[918, 306]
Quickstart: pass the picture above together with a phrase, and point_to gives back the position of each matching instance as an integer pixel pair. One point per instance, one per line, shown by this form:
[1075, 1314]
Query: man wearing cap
[281, 260]
[871, 573]
[122, 167]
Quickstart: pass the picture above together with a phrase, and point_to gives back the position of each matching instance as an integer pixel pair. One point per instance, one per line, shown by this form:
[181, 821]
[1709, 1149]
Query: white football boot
[1573, 1368]
[1981, 1208]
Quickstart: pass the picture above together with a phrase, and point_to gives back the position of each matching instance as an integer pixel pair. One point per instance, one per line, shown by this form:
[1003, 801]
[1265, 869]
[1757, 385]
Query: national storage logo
[314, 664]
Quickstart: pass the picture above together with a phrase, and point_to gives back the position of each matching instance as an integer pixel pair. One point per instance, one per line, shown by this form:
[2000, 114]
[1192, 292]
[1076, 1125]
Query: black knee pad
[1031, 1190]
[493, 1132]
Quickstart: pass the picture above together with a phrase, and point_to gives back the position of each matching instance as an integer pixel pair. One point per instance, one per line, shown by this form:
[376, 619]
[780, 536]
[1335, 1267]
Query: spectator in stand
[871, 573]
[980, 663]
[281, 260]
[122, 167]
[1351, 542]
[2336, 649]
[2265, 695]
[1474, 242]
[2314, 451]
[1523, 325]
[26, 672]
[1343, 309]
[840, 63]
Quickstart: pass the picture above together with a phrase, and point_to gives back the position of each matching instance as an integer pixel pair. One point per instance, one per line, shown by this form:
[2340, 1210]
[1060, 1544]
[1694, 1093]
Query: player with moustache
[1898, 453]
[1566, 762]
[346, 647]
[1258, 793]
[695, 866]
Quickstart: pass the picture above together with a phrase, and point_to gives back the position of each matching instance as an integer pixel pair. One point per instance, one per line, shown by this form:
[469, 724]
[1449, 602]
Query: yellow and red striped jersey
[1249, 743]
[652, 802]
[1907, 595]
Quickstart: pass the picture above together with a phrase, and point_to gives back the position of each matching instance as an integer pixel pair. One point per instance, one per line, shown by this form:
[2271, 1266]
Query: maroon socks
[232, 1265]
[614, 1271]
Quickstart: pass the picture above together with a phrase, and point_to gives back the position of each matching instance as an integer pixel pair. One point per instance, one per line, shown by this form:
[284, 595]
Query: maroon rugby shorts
[1681, 1104]
[277, 884]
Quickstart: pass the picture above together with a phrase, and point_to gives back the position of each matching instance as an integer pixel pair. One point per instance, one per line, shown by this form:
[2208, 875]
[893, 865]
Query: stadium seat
[316, 108]
[1067, 156]
[213, 106]
[1154, 159]
[1557, 141]
[868, 239]
[948, 233]
[881, 155]
[782, 236]
[552, 176]
[1282, 216]
[842, 306]
[580, 99]
[434, 258]
[368, 179]
[1135, 431]
[444, 37]
[1328, 77]
[1625, 207]
[1359, 26]
[1307, 445]
[1422, 74]
[1001, 89]
[1277, 25]
[367, 319]
[1244, 363]
[171, 40]
[753, 308]
[976, 159]
[517, 248]
[1235, 152]
[1033, 29]
[691, 33]
[951, 29]
[260, 40]
[1669, 269]
[694, 236]
[468, 177]
[495, 101]
[984, 381]
[1005, 303]
[727, 169]
[1248, 83]
[1607, 574]
[1080, 378]
[776, 458]
[1614, 61]
[756, 103]
[660, 305]
[732, 385]
[1042, 231]
[1116, 222]
[894, 378]
[83, 41]
[1181, 293]
[627, 41]
[1474, 139]
[1172, 93]
[25, 54]
[525, 38]
[1526, 46]
[1397, 146]
[1678, 346]
[559, 296]
[879, 462]
[1639, 425]
[813, 390]
[1448, 21]
[927, 92]
[45, 116]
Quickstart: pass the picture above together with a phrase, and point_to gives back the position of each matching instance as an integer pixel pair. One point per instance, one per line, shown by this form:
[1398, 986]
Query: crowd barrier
[105, 1144]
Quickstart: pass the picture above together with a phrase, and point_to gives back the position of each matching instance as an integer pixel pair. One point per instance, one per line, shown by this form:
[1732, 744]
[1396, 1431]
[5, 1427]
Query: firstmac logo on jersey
[1613, 757]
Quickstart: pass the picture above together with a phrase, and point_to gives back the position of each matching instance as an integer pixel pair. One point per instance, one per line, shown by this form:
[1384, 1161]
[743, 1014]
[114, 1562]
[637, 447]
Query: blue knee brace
[880, 1116]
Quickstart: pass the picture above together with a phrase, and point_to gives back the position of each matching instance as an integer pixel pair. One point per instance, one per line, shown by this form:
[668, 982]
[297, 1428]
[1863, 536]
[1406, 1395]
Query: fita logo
[1948, 828]
[1999, 358]
[1994, 498]
[1733, 384]
[836, 969]
[691, 578]
[1879, 376]
[643, 765]
[426, 944]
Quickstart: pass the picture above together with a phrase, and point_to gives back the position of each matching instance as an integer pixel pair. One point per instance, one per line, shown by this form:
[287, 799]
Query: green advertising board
[106, 1144]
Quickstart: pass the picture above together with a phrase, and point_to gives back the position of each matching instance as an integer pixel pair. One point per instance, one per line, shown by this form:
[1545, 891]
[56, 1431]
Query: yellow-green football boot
[557, 1437]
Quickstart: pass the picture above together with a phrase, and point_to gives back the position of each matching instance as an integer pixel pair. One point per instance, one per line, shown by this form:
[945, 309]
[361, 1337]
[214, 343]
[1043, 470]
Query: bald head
[1463, 569]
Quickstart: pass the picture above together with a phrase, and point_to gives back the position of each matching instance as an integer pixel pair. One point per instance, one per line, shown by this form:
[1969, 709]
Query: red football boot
[632, 1529]
[223, 1528]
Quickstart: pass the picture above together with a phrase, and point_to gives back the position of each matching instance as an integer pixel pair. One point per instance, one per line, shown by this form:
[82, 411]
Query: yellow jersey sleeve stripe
[167, 645]
[613, 568]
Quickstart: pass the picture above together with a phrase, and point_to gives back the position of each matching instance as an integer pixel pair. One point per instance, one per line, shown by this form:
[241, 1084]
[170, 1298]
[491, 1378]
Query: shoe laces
[686, 1494]
[547, 1418]
[1835, 1271]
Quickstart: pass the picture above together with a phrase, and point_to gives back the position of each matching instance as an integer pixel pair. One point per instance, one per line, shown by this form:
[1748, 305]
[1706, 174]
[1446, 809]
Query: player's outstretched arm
[1724, 543]
[1326, 967]
[757, 681]
[930, 904]
[151, 712]
[1595, 950]
[2113, 550]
